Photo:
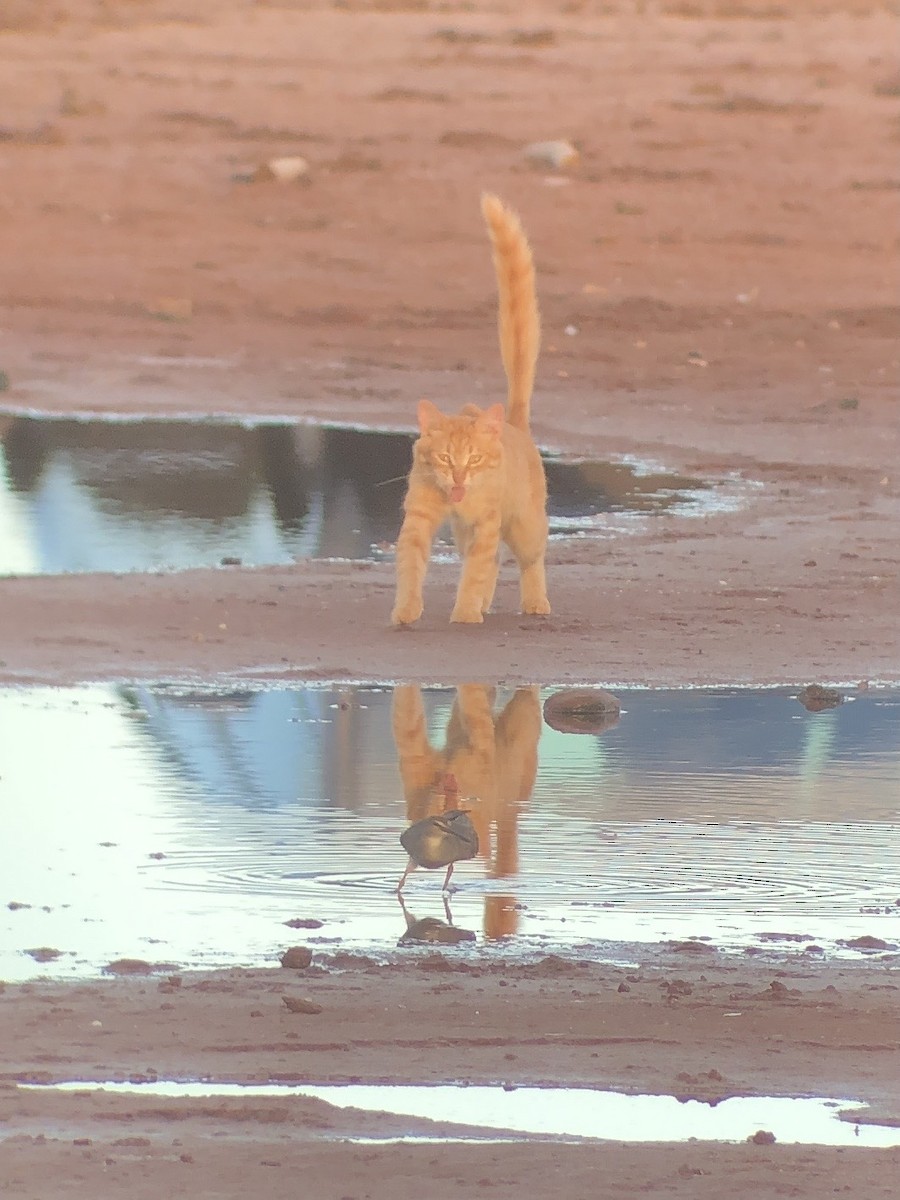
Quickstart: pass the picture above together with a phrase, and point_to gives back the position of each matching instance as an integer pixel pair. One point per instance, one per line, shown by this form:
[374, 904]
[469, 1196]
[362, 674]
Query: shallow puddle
[92, 495]
[559, 1112]
[188, 827]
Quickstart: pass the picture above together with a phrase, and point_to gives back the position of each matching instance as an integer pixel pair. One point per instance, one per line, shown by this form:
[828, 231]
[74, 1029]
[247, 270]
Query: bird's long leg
[409, 867]
[446, 887]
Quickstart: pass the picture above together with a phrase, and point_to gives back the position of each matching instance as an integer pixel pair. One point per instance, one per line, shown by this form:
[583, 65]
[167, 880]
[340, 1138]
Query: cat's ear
[429, 416]
[491, 419]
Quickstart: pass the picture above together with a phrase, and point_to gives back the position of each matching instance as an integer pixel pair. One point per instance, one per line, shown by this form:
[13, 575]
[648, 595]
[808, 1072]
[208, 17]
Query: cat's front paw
[407, 612]
[467, 616]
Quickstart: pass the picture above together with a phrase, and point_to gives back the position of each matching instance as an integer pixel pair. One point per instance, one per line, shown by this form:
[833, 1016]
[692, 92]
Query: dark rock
[866, 942]
[762, 1137]
[582, 710]
[135, 966]
[816, 698]
[297, 1004]
[44, 953]
[297, 957]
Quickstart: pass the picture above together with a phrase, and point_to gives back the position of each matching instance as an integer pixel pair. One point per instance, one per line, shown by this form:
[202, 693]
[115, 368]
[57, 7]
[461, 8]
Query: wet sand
[724, 253]
[707, 1029]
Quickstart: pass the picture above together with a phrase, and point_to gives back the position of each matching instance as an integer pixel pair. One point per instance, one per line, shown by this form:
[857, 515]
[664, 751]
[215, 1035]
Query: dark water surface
[187, 827]
[94, 495]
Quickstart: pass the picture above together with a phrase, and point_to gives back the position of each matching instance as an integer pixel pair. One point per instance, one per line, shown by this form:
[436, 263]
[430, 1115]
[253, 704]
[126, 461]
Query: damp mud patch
[508, 1114]
[202, 828]
[138, 495]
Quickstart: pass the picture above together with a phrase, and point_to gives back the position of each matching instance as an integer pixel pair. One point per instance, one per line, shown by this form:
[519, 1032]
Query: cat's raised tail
[518, 317]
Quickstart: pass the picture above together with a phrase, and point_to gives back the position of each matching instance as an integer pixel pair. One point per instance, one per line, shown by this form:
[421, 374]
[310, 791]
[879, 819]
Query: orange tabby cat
[481, 468]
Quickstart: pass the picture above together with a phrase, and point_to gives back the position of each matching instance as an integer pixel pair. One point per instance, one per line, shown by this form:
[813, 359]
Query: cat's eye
[475, 459]
[445, 458]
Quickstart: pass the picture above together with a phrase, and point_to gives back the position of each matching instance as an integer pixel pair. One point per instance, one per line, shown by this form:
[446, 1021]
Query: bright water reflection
[565, 1112]
[186, 827]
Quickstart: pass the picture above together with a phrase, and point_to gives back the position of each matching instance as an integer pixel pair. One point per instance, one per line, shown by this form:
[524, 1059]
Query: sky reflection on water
[187, 827]
[559, 1112]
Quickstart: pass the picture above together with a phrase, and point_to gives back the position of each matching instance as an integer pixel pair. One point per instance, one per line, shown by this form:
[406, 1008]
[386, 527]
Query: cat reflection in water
[493, 759]
[481, 469]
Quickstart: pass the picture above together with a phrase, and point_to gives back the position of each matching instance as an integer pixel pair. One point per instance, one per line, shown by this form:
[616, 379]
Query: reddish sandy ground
[725, 250]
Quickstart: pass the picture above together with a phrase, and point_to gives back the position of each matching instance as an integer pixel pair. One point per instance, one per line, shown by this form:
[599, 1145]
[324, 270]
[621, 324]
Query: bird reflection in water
[431, 929]
[492, 760]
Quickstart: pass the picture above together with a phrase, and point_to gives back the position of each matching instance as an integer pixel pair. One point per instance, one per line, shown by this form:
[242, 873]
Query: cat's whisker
[396, 479]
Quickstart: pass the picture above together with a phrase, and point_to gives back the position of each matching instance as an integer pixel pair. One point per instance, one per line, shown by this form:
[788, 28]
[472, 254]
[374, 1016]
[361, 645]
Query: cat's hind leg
[463, 535]
[491, 584]
[529, 546]
[479, 573]
[533, 586]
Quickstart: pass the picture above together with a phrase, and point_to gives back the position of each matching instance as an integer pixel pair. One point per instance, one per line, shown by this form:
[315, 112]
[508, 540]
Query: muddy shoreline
[804, 568]
[663, 1026]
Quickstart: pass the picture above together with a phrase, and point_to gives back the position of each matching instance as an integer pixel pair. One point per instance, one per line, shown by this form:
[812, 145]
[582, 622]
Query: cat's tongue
[456, 493]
